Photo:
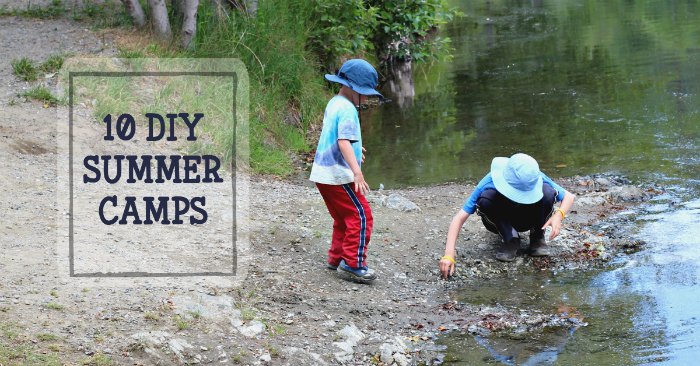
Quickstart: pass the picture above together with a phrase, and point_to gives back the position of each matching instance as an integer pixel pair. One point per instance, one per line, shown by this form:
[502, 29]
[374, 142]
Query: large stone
[627, 194]
[592, 199]
[398, 202]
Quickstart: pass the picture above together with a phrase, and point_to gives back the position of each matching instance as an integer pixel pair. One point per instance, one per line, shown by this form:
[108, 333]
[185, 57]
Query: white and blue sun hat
[518, 178]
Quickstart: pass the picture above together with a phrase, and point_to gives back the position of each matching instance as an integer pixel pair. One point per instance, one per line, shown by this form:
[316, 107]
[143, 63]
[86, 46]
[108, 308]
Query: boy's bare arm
[447, 266]
[349, 156]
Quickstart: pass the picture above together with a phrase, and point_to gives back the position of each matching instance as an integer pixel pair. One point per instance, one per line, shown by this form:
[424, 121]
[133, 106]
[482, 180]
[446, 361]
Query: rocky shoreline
[397, 319]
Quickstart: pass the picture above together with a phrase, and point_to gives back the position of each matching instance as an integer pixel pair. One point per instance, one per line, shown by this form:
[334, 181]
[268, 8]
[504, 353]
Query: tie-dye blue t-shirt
[340, 122]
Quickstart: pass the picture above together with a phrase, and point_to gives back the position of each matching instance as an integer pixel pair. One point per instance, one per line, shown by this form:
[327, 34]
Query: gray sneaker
[359, 275]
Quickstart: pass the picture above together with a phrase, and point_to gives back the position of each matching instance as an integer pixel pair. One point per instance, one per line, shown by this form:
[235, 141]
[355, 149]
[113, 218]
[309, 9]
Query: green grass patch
[16, 349]
[55, 9]
[181, 323]
[19, 354]
[42, 94]
[98, 359]
[102, 14]
[9, 331]
[44, 337]
[24, 69]
[248, 314]
[52, 64]
[128, 53]
[277, 329]
[54, 306]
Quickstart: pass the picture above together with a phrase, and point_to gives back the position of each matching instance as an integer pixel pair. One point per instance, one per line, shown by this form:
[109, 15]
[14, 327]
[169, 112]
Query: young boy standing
[337, 173]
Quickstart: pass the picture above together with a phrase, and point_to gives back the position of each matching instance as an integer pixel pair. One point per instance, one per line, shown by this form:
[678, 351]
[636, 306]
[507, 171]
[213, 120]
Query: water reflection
[587, 86]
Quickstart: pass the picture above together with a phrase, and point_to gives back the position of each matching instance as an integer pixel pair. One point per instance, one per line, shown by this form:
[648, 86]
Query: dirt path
[290, 309]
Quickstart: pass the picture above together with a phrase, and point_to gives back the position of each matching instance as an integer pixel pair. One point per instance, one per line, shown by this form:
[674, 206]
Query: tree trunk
[189, 23]
[133, 7]
[159, 15]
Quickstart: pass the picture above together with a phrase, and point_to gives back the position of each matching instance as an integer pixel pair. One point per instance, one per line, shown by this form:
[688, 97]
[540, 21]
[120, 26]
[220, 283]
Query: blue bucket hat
[518, 178]
[357, 75]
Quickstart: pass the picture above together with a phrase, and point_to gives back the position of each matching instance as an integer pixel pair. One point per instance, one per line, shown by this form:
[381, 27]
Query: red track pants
[352, 224]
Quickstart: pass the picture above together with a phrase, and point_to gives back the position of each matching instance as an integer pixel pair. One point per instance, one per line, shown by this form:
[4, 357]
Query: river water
[585, 87]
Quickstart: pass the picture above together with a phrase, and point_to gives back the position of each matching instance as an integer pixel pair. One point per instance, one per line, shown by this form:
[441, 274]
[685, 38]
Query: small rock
[352, 336]
[401, 359]
[386, 354]
[253, 328]
[398, 202]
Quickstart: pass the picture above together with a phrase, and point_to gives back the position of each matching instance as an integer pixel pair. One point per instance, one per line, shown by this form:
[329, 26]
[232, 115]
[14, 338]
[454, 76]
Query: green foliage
[394, 30]
[24, 69]
[342, 28]
[404, 29]
[287, 45]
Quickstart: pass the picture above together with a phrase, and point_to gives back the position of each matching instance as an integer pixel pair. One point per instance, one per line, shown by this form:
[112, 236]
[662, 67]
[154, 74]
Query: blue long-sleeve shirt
[487, 183]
